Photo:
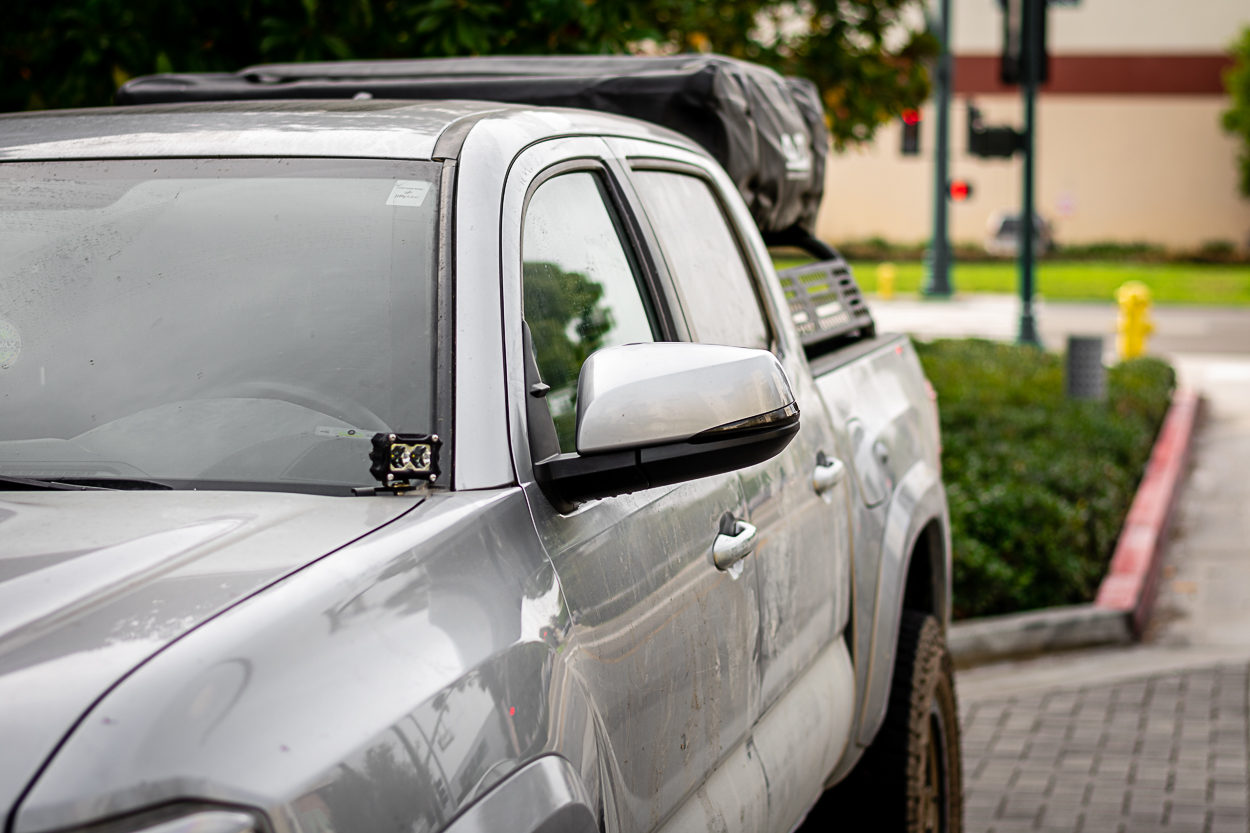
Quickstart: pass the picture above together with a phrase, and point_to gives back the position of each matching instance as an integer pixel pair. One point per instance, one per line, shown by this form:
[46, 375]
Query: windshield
[214, 323]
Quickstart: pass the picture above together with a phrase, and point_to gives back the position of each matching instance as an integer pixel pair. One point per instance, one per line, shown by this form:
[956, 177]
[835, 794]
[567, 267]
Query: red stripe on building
[1105, 74]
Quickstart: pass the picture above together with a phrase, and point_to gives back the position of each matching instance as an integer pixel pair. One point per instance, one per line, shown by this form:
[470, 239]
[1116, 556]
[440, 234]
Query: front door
[662, 639]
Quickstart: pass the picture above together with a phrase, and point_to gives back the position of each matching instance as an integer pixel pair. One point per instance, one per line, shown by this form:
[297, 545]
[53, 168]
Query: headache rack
[826, 305]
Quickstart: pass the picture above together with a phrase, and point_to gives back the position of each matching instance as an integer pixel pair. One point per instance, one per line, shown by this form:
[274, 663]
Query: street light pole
[1031, 71]
[939, 282]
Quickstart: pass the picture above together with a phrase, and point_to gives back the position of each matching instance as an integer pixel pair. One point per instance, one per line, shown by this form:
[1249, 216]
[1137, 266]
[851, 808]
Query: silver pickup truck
[389, 466]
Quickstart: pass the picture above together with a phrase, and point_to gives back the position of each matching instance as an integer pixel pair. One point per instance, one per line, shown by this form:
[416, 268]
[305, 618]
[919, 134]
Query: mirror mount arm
[543, 440]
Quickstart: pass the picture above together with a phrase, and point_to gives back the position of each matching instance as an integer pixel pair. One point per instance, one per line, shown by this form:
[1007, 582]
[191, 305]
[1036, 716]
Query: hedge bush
[1038, 485]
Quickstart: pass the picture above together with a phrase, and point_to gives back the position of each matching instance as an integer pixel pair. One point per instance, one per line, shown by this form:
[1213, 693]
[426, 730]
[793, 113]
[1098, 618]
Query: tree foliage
[867, 56]
[1237, 118]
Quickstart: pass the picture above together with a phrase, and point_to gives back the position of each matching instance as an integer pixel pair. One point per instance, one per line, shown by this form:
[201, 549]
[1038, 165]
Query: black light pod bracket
[398, 459]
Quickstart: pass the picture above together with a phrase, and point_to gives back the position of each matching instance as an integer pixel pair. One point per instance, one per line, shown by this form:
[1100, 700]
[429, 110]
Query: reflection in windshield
[565, 317]
[238, 320]
[581, 292]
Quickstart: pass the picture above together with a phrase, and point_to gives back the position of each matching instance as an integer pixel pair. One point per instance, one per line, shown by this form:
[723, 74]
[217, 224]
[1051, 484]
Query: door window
[581, 289]
[717, 291]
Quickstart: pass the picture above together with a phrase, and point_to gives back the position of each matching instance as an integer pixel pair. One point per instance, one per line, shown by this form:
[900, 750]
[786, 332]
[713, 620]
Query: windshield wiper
[9, 483]
[117, 484]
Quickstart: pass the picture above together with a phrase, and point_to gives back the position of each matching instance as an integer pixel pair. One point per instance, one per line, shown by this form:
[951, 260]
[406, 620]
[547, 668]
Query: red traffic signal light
[959, 190]
[911, 132]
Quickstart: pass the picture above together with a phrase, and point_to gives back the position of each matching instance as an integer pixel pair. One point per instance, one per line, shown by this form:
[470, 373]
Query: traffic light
[960, 190]
[1024, 29]
[911, 132]
[991, 142]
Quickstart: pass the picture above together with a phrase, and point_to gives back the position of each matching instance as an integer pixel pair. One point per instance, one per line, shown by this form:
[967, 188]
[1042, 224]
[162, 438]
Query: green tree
[869, 57]
[1237, 119]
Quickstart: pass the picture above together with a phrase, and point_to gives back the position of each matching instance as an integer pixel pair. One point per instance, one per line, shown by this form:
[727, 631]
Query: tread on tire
[910, 779]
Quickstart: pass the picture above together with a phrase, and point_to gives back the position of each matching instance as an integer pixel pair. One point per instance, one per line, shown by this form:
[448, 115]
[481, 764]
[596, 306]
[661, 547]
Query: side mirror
[655, 414]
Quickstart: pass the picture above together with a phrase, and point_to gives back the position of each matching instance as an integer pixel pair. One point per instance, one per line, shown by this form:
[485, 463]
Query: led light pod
[401, 458]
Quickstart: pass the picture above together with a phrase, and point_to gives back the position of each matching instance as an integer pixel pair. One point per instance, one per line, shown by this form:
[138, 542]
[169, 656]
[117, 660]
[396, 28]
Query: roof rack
[767, 131]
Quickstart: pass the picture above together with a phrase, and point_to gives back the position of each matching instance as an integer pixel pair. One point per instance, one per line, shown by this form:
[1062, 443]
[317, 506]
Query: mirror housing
[656, 414]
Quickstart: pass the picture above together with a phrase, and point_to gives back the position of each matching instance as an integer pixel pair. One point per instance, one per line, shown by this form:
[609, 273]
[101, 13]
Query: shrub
[1039, 485]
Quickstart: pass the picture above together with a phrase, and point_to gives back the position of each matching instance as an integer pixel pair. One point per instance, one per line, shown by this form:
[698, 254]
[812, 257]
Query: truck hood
[92, 584]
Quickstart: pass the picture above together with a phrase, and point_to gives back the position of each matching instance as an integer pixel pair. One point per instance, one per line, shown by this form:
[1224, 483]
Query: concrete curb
[1127, 594]
[988, 638]
[1131, 583]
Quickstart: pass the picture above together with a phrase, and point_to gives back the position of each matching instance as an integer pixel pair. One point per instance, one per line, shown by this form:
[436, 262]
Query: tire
[910, 780]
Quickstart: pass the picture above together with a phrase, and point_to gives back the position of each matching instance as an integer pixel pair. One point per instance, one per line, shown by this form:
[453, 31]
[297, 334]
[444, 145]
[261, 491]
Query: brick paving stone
[1166, 753]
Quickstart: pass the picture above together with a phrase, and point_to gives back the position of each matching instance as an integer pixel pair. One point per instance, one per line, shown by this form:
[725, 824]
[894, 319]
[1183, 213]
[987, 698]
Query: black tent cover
[767, 131]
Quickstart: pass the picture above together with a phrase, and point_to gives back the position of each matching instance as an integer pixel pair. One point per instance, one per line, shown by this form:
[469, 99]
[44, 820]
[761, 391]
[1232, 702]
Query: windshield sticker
[10, 345]
[349, 433]
[408, 192]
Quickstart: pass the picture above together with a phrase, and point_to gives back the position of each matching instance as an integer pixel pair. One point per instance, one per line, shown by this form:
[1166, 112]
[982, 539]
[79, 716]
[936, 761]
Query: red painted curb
[1131, 583]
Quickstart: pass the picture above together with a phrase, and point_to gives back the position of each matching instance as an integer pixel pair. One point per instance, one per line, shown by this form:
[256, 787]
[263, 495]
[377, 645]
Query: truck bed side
[886, 416]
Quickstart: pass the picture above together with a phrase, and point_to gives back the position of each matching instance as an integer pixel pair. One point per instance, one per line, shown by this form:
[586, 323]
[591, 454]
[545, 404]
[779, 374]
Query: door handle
[827, 474]
[734, 542]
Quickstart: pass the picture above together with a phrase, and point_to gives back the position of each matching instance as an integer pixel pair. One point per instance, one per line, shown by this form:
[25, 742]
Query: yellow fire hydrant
[885, 281]
[1134, 323]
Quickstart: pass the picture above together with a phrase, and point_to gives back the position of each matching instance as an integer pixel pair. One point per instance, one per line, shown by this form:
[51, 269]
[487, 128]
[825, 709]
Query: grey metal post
[939, 280]
[1086, 375]
[1030, 43]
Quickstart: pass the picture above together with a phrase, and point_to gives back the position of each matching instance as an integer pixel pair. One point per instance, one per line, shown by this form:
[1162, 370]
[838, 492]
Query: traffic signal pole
[1031, 71]
[938, 283]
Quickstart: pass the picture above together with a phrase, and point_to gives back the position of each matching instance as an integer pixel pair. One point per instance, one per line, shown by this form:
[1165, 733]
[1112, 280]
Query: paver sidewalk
[1167, 752]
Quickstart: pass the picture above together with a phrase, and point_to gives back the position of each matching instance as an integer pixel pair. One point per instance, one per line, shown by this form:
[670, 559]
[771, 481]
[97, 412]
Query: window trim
[754, 271]
[651, 286]
[445, 325]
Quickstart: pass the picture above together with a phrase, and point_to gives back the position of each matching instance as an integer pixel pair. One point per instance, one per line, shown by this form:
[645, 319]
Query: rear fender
[918, 501]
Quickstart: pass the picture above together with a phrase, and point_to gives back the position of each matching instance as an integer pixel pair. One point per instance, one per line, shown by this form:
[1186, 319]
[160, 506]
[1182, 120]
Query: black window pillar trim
[445, 325]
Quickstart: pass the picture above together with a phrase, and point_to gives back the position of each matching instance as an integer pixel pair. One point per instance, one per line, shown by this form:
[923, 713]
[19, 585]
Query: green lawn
[1081, 281]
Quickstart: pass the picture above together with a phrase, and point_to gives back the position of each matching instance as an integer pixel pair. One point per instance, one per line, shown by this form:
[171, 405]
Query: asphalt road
[1178, 329]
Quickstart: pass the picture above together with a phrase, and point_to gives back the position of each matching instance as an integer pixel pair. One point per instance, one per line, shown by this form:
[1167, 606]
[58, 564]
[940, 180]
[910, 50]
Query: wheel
[910, 779]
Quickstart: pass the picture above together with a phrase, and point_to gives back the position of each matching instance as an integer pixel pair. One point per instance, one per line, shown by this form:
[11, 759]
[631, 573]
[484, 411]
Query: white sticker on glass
[10, 345]
[408, 192]
[343, 433]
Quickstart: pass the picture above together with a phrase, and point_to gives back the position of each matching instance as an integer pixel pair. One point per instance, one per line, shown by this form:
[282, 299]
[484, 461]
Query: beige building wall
[1113, 166]
[1123, 168]
[1111, 26]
